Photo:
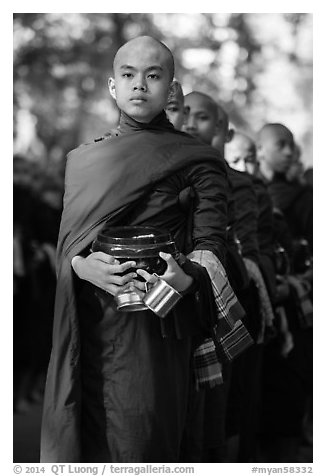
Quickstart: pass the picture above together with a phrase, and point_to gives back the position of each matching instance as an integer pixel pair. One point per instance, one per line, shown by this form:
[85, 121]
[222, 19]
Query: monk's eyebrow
[155, 67]
[203, 111]
[150, 68]
[126, 66]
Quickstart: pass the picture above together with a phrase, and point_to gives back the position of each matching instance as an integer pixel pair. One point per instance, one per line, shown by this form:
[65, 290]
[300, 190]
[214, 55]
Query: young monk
[275, 149]
[289, 379]
[117, 387]
[209, 122]
[203, 122]
[241, 155]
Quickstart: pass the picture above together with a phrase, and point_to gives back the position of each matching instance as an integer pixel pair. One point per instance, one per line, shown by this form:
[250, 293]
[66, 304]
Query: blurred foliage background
[258, 65]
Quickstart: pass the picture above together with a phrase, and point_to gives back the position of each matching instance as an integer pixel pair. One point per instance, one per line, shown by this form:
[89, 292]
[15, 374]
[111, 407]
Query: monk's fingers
[170, 261]
[121, 280]
[112, 289]
[121, 268]
[140, 285]
[135, 284]
[104, 257]
[141, 288]
[149, 278]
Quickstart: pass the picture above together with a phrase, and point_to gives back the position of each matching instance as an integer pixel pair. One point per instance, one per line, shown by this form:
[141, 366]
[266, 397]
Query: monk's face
[201, 120]
[142, 79]
[240, 153]
[276, 147]
[175, 109]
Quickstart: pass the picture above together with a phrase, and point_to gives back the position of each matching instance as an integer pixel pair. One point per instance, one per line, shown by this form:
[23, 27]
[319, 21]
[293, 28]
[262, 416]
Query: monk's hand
[102, 270]
[174, 275]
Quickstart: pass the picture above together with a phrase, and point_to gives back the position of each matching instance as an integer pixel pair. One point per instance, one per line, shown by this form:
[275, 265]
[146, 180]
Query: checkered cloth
[266, 309]
[208, 370]
[229, 335]
[301, 289]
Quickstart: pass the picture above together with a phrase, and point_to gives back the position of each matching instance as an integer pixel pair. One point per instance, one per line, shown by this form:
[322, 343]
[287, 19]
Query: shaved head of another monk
[240, 153]
[143, 78]
[201, 116]
[275, 147]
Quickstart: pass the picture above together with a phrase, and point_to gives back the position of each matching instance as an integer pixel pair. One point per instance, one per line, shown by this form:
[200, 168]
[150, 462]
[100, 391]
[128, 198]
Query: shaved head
[137, 46]
[143, 75]
[272, 130]
[241, 140]
[275, 149]
[201, 116]
[204, 99]
[240, 153]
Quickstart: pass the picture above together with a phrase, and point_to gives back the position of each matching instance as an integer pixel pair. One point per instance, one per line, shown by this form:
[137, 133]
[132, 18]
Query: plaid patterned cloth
[266, 308]
[229, 335]
[228, 308]
[233, 342]
[301, 289]
[208, 370]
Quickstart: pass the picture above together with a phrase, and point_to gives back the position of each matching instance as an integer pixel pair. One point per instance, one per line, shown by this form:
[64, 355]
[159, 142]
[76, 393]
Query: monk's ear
[111, 84]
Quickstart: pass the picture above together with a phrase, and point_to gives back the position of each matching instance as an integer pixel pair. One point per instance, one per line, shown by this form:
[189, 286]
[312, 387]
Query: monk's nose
[287, 150]
[140, 84]
[190, 124]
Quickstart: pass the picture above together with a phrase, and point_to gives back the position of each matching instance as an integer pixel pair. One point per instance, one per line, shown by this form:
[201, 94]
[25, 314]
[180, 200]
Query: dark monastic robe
[265, 236]
[246, 213]
[296, 202]
[235, 266]
[265, 217]
[243, 398]
[288, 381]
[116, 390]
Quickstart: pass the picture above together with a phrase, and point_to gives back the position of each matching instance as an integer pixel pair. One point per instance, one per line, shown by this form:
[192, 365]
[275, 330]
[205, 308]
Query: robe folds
[246, 213]
[265, 234]
[134, 177]
[296, 203]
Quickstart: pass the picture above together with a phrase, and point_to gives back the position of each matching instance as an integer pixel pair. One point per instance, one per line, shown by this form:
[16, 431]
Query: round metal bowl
[141, 244]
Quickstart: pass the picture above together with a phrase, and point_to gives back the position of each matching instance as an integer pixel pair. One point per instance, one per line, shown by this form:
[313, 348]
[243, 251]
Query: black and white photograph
[162, 241]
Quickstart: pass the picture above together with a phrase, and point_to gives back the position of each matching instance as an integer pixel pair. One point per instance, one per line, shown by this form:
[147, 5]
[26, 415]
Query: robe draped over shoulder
[117, 180]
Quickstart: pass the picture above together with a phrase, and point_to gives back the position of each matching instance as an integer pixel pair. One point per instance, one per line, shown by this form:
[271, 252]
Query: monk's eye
[153, 76]
[127, 75]
[172, 109]
[250, 159]
[203, 117]
[281, 144]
